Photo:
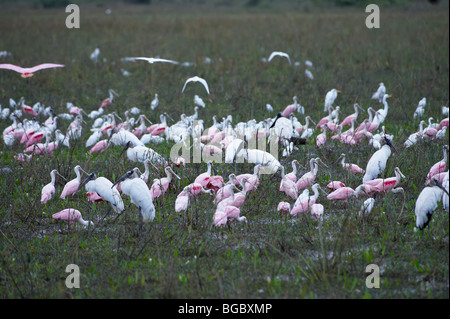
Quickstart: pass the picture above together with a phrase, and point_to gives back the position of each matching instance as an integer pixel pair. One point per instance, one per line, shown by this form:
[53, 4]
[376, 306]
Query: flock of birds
[222, 140]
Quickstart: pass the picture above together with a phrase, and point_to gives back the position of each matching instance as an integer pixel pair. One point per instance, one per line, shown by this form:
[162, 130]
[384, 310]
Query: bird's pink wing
[44, 66]
[12, 67]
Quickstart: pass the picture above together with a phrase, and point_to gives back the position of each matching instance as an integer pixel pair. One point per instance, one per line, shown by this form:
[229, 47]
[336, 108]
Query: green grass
[184, 257]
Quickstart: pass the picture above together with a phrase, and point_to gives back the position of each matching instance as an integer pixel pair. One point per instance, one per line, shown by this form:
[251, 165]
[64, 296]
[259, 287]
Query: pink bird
[252, 179]
[160, 186]
[28, 72]
[333, 185]
[308, 178]
[354, 116]
[35, 138]
[72, 186]
[239, 198]
[317, 211]
[182, 202]
[195, 189]
[439, 167]
[23, 157]
[293, 175]
[284, 208]
[49, 189]
[290, 108]
[99, 147]
[72, 215]
[29, 110]
[322, 137]
[203, 178]
[355, 169]
[107, 102]
[387, 184]
[288, 186]
[302, 205]
[443, 123]
[220, 218]
[233, 213]
[215, 183]
[439, 176]
[325, 119]
[344, 193]
[225, 192]
[94, 197]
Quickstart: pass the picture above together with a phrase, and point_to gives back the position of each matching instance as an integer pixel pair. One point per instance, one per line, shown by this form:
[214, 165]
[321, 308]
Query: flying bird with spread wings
[196, 79]
[278, 53]
[153, 60]
[29, 72]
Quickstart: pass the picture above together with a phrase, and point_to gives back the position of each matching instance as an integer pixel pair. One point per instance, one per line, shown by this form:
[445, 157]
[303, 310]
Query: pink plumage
[71, 215]
[27, 72]
[99, 147]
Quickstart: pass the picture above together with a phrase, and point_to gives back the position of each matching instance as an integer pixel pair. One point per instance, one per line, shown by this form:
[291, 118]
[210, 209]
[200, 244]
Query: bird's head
[90, 177]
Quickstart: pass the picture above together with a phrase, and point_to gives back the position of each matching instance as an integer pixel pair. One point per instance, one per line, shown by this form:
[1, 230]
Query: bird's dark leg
[108, 210]
[141, 221]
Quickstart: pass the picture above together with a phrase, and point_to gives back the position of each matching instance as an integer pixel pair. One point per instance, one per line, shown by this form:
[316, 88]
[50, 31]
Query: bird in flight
[196, 79]
[29, 72]
[153, 60]
[275, 53]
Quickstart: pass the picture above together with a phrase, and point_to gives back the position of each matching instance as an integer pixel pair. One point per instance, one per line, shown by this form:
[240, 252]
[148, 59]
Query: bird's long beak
[84, 171]
[320, 161]
[361, 108]
[165, 113]
[388, 142]
[145, 118]
[115, 114]
[125, 148]
[89, 178]
[438, 184]
[121, 179]
[61, 176]
[175, 174]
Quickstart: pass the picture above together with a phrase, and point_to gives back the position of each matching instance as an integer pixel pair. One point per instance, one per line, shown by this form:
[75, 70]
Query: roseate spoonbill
[317, 211]
[107, 102]
[377, 163]
[443, 123]
[291, 107]
[303, 205]
[427, 202]
[354, 116]
[196, 79]
[28, 72]
[105, 189]
[439, 167]
[203, 178]
[240, 196]
[293, 175]
[72, 215]
[224, 192]
[307, 131]
[308, 178]
[160, 186]
[72, 186]
[284, 208]
[330, 97]
[154, 60]
[387, 184]
[252, 179]
[139, 194]
[279, 53]
[288, 186]
[381, 91]
[49, 189]
[182, 202]
[344, 193]
[233, 213]
[355, 169]
[322, 137]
